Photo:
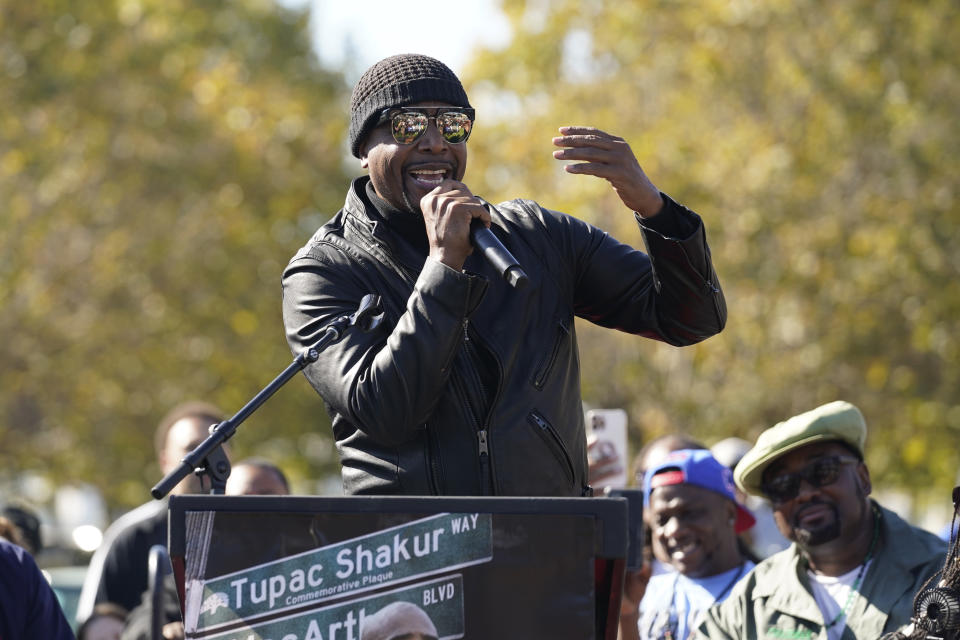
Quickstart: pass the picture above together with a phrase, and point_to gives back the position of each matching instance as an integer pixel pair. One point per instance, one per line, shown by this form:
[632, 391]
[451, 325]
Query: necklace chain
[730, 584]
[669, 630]
[854, 590]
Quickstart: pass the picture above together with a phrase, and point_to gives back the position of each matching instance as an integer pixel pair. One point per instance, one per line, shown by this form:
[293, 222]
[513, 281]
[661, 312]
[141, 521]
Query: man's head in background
[693, 512]
[106, 623]
[27, 525]
[811, 469]
[657, 449]
[256, 477]
[180, 432]
[650, 454]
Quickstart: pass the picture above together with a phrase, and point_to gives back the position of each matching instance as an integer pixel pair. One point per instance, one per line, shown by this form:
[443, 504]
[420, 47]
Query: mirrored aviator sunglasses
[819, 473]
[407, 124]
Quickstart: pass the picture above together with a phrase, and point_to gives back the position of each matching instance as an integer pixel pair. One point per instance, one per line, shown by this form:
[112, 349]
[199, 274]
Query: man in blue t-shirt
[695, 518]
[28, 606]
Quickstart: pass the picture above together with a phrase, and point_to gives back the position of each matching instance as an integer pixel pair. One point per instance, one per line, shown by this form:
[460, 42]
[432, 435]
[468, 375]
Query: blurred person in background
[656, 559]
[854, 567]
[28, 607]
[249, 477]
[657, 449]
[28, 523]
[257, 477]
[11, 533]
[764, 538]
[106, 623]
[118, 569]
[695, 519]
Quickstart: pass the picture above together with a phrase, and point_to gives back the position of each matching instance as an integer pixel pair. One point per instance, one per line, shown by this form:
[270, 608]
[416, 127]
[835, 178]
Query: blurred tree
[818, 140]
[160, 161]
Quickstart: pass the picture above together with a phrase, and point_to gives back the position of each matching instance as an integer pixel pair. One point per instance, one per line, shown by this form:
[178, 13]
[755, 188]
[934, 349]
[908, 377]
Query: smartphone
[607, 447]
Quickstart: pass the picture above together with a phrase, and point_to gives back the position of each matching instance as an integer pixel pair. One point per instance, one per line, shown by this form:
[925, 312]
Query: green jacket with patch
[775, 600]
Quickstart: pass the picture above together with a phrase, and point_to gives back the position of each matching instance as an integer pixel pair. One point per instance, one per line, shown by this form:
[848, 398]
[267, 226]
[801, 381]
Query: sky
[371, 30]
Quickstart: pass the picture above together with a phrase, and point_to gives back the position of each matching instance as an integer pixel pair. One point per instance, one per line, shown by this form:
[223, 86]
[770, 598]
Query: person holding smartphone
[470, 386]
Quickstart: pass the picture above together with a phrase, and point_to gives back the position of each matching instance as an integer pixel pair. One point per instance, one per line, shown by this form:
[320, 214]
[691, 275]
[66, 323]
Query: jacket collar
[788, 588]
[357, 207]
[371, 225]
[885, 584]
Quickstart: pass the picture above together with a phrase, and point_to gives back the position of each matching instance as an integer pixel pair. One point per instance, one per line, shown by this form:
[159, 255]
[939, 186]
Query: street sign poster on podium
[301, 568]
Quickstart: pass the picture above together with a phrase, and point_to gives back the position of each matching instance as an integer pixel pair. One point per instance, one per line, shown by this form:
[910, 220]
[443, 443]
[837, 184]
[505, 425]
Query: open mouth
[428, 178]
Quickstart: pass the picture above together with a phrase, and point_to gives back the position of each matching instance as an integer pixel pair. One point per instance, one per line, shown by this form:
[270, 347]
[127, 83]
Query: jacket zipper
[551, 435]
[485, 470]
[433, 449]
[544, 371]
[707, 283]
[483, 448]
[483, 433]
[714, 289]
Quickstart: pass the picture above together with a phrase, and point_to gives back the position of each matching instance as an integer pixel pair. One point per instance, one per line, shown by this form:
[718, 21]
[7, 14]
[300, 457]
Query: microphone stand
[158, 566]
[208, 459]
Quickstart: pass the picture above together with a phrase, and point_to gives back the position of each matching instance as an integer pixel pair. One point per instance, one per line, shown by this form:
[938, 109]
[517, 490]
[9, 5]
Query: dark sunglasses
[407, 124]
[819, 473]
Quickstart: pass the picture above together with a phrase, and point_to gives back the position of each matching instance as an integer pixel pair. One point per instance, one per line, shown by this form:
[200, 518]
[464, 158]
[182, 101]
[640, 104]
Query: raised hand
[610, 157]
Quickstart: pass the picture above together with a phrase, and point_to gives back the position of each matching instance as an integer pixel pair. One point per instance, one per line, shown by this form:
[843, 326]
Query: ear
[863, 475]
[364, 152]
[731, 512]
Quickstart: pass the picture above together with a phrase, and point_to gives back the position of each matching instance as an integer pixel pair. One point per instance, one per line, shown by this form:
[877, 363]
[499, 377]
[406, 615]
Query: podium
[312, 568]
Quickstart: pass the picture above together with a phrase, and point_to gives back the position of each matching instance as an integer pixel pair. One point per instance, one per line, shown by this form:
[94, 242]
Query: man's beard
[409, 205]
[821, 534]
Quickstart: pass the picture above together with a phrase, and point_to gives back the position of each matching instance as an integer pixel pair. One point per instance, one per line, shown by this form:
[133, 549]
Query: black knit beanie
[397, 81]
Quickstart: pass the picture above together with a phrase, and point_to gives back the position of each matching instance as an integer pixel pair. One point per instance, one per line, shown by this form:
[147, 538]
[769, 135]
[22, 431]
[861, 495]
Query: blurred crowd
[777, 538]
[720, 523]
[114, 602]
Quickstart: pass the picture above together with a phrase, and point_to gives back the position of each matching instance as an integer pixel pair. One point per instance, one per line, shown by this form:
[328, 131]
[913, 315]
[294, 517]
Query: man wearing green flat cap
[854, 567]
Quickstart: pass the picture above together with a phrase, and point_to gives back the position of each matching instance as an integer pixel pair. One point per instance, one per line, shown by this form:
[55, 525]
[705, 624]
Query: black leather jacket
[398, 396]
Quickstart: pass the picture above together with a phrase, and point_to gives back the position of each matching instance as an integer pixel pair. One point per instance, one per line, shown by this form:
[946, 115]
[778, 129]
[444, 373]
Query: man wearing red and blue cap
[694, 517]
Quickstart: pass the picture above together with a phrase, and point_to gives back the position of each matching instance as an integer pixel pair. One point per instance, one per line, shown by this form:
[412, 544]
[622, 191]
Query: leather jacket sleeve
[386, 384]
[386, 381]
[670, 293]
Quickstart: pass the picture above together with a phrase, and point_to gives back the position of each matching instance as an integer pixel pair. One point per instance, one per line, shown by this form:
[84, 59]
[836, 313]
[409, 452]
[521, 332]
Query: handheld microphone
[497, 254]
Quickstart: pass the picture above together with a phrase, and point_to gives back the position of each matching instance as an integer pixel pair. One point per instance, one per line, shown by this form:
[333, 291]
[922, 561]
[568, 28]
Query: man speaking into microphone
[471, 384]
